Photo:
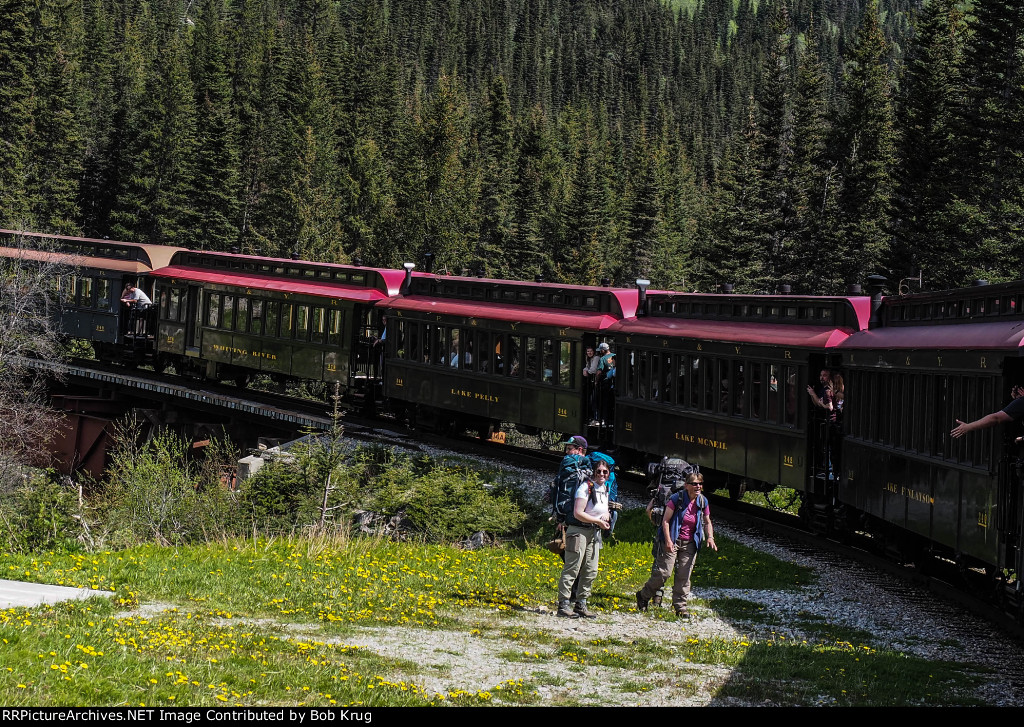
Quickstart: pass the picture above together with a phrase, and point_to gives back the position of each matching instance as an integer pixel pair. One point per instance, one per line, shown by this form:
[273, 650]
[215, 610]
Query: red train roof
[587, 321]
[989, 335]
[321, 288]
[776, 334]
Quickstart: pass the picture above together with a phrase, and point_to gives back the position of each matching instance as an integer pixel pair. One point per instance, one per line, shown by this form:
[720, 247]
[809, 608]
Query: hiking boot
[641, 602]
[564, 610]
[682, 613]
[581, 610]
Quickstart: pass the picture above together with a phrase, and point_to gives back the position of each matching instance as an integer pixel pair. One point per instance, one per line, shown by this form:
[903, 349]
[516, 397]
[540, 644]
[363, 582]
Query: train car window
[103, 294]
[697, 383]
[213, 310]
[174, 307]
[66, 288]
[548, 361]
[667, 368]
[513, 358]
[531, 358]
[679, 379]
[772, 414]
[85, 292]
[227, 315]
[791, 380]
[256, 309]
[740, 389]
[986, 393]
[498, 354]
[483, 353]
[455, 351]
[357, 279]
[273, 315]
[287, 320]
[756, 391]
[302, 323]
[640, 381]
[437, 345]
[318, 326]
[590, 302]
[711, 385]
[724, 387]
[565, 364]
[308, 273]
[241, 314]
[335, 318]
[163, 303]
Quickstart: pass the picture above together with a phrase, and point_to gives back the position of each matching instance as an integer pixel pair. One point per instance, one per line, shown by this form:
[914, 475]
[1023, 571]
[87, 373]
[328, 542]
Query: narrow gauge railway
[726, 381]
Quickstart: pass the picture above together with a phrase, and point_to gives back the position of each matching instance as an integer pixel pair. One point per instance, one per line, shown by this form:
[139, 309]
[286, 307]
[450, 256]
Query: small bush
[39, 516]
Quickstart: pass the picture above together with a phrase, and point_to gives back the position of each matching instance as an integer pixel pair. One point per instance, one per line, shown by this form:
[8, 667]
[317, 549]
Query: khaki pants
[582, 553]
[681, 560]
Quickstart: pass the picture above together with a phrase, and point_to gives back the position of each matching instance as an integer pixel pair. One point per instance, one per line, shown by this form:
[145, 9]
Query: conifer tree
[55, 143]
[813, 178]
[867, 141]
[990, 140]
[16, 111]
[929, 183]
[214, 201]
[497, 190]
[153, 204]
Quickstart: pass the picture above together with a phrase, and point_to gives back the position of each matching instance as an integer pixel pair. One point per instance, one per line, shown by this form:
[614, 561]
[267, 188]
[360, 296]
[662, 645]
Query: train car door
[193, 320]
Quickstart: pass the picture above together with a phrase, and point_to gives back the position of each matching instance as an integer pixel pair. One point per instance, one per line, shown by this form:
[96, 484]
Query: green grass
[267, 622]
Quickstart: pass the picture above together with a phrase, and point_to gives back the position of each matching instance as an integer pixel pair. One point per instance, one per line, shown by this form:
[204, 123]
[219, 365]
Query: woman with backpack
[685, 527]
[590, 515]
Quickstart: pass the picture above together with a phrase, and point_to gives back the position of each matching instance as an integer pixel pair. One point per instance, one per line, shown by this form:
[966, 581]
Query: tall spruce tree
[216, 186]
[16, 109]
[498, 189]
[991, 141]
[929, 182]
[55, 143]
[867, 140]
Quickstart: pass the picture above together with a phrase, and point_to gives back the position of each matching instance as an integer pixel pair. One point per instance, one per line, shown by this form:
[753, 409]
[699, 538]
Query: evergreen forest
[692, 142]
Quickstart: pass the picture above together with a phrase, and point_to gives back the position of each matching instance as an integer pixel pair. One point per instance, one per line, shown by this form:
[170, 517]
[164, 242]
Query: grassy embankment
[226, 634]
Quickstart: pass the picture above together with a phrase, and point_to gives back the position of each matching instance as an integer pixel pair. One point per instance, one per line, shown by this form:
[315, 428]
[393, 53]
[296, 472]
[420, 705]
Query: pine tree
[813, 177]
[16, 111]
[153, 203]
[990, 140]
[214, 200]
[55, 167]
[928, 182]
[498, 188]
[867, 141]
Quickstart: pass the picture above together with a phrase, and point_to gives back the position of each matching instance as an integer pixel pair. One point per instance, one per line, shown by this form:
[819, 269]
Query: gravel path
[899, 616]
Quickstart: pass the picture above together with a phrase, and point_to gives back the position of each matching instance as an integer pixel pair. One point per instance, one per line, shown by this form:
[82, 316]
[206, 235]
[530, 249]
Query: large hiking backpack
[665, 478]
[573, 472]
[613, 485]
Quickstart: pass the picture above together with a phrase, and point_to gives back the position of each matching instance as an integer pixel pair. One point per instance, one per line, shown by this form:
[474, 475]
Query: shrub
[40, 515]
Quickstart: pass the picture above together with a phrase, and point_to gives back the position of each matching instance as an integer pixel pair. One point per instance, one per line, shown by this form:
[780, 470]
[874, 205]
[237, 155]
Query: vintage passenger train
[719, 379]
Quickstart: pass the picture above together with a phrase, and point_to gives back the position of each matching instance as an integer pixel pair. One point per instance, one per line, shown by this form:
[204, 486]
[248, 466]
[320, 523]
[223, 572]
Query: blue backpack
[574, 470]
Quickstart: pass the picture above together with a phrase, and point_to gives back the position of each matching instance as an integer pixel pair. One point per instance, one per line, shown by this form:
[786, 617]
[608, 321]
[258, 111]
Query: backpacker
[665, 478]
[573, 472]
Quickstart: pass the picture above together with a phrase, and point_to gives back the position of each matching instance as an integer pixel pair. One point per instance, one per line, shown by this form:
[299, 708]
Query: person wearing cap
[684, 528]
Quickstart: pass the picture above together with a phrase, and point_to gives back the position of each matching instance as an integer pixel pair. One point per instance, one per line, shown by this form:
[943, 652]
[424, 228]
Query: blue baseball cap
[577, 441]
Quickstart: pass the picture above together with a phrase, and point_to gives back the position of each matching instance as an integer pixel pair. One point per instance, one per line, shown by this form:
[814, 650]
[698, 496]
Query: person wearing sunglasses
[583, 543]
[684, 529]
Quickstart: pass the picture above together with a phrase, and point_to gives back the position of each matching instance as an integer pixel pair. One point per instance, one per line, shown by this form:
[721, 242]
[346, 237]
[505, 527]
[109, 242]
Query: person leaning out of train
[135, 297]
[1014, 411]
[590, 372]
[685, 527]
[821, 393]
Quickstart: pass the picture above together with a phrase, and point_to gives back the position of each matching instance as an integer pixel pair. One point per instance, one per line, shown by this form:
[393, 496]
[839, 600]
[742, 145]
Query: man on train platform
[1014, 411]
